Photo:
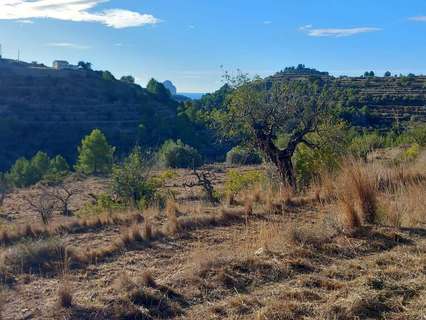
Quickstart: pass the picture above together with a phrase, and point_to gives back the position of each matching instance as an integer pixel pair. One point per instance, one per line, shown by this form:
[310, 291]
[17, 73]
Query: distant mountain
[192, 95]
[170, 86]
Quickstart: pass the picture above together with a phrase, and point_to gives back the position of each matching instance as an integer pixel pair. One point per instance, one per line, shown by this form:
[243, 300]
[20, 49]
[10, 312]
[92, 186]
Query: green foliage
[103, 204]
[158, 89]
[85, 65]
[128, 79]
[107, 76]
[26, 172]
[362, 145]
[368, 74]
[411, 153]
[58, 164]
[388, 74]
[239, 181]
[131, 181]
[95, 154]
[179, 155]
[416, 134]
[243, 156]
[22, 174]
[40, 164]
[330, 147]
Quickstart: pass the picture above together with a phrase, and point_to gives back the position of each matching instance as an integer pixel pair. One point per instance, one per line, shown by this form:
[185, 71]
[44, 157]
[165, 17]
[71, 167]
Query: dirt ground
[289, 263]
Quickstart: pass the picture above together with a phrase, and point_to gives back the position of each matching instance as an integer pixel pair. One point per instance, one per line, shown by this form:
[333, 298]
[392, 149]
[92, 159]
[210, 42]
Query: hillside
[388, 99]
[46, 109]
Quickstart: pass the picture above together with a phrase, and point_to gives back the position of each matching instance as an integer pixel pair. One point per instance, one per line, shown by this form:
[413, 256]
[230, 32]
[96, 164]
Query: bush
[414, 135]
[361, 146]
[411, 153]
[243, 156]
[179, 155]
[25, 173]
[237, 181]
[131, 182]
[325, 156]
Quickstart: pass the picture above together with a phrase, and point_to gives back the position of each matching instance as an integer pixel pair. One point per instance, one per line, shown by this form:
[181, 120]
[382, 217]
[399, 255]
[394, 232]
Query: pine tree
[95, 154]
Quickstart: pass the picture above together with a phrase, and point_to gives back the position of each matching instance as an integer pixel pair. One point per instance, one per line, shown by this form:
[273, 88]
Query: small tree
[22, 174]
[128, 79]
[40, 165]
[95, 154]
[204, 180]
[258, 112]
[131, 181]
[43, 203]
[388, 74]
[63, 193]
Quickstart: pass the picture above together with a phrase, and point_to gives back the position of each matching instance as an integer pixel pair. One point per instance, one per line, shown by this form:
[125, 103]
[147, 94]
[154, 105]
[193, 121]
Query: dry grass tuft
[65, 296]
[349, 214]
[248, 207]
[147, 233]
[363, 185]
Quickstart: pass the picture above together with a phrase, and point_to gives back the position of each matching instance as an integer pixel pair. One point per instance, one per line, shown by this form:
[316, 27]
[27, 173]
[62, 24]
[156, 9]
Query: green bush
[411, 153]
[243, 156]
[238, 181]
[179, 155]
[361, 146]
[416, 135]
[325, 156]
[132, 183]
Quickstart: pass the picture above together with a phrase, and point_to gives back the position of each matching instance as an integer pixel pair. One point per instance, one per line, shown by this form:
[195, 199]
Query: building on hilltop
[63, 65]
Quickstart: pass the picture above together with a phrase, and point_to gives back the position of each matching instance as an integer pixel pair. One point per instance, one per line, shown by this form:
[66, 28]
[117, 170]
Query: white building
[62, 64]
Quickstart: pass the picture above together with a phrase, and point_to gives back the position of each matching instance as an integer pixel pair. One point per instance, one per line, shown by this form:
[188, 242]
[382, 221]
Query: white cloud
[418, 18]
[68, 45]
[267, 22]
[73, 10]
[336, 32]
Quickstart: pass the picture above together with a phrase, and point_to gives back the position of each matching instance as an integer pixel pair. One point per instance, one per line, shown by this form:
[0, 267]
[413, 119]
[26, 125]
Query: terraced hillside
[388, 99]
[46, 109]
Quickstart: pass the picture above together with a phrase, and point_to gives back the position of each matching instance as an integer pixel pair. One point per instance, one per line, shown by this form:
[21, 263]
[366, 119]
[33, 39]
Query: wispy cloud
[73, 10]
[336, 32]
[267, 22]
[418, 18]
[68, 45]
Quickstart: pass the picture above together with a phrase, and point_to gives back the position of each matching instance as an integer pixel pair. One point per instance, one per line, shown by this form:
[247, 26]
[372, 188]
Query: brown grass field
[352, 246]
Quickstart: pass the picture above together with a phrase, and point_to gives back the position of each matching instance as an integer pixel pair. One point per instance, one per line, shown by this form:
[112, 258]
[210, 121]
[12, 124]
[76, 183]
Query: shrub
[237, 181]
[323, 155]
[132, 183]
[179, 155]
[95, 154]
[243, 156]
[411, 153]
[361, 146]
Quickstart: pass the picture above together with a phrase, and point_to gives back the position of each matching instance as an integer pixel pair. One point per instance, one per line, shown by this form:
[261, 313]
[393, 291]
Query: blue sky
[187, 41]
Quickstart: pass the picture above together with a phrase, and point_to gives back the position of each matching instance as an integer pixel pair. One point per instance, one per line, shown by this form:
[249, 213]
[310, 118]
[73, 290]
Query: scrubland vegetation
[310, 217]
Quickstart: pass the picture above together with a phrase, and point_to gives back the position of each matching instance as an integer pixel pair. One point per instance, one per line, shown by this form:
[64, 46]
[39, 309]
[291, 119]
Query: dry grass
[9, 236]
[346, 209]
[65, 295]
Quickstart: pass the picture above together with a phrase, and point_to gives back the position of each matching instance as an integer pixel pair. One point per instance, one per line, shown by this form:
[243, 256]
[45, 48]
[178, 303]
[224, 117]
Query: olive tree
[262, 111]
